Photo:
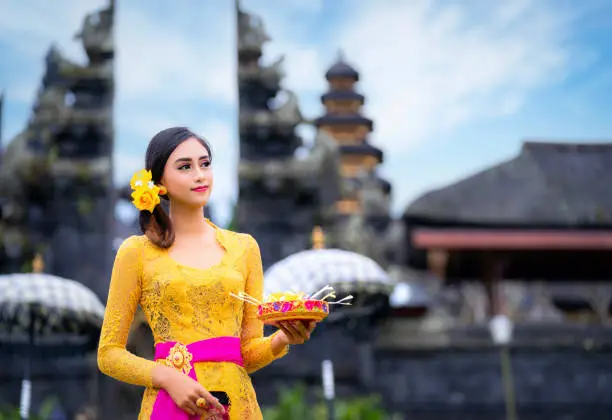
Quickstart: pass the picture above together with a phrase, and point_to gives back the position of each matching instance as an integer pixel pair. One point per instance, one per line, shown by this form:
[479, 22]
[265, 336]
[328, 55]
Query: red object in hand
[225, 415]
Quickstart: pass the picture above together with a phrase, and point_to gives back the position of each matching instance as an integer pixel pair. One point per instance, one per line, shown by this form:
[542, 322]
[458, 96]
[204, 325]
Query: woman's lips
[200, 189]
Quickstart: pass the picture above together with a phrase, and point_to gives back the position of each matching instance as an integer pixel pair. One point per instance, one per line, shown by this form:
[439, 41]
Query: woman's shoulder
[237, 236]
[133, 243]
[239, 240]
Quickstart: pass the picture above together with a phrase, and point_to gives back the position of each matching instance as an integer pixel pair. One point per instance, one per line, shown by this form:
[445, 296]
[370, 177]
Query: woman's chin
[195, 204]
[200, 204]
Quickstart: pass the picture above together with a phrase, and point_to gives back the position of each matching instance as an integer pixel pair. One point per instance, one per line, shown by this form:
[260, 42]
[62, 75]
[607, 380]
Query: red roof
[492, 239]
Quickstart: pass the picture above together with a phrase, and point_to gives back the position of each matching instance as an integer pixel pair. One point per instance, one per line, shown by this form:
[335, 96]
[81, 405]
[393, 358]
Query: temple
[543, 215]
[280, 197]
[58, 202]
[529, 237]
[58, 170]
[362, 211]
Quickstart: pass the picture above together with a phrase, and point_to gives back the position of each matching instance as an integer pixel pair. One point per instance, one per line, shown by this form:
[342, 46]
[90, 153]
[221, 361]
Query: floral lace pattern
[187, 304]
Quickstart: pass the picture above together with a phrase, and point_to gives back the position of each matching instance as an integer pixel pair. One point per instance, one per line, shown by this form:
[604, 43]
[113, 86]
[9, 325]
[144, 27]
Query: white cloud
[219, 133]
[282, 10]
[291, 27]
[162, 60]
[21, 92]
[295, 6]
[47, 23]
[126, 165]
[428, 66]
[302, 65]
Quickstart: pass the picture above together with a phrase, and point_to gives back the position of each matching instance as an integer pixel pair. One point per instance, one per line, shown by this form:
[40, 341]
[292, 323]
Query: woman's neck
[187, 221]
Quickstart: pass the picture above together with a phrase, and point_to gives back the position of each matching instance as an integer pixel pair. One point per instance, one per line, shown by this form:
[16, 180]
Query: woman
[182, 272]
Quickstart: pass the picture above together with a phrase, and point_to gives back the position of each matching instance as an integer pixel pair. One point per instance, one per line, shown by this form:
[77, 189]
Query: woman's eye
[183, 167]
[206, 164]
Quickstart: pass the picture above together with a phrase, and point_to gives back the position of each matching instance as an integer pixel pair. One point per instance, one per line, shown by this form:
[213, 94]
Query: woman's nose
[199, 174]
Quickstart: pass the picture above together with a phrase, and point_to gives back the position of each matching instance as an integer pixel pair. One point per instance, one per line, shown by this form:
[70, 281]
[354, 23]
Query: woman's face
[188, 176]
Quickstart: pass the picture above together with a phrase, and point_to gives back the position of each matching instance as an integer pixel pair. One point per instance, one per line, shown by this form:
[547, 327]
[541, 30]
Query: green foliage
[85, 205]
[26, 267]
[232, 223]
[293, 404]
[44, 413]
[53, 155]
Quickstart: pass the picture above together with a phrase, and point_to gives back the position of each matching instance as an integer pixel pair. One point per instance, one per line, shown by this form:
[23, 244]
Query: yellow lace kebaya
[185, 305]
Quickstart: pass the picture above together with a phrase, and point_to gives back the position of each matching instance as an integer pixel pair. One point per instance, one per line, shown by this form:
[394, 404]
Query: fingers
[202, 403]
[189, 406]
[302, 330]
[212, 403]
[306, 328]
[287, 333]
[292, 334]
[296, 331]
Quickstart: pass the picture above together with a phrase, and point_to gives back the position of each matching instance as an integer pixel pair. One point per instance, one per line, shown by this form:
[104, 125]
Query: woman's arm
[257, 350]
[123, 298]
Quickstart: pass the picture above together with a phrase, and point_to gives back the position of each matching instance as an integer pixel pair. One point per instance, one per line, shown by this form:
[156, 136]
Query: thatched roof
[552, 184]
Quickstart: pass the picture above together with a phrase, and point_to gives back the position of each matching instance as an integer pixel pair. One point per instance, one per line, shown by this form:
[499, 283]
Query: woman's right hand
[184, 391]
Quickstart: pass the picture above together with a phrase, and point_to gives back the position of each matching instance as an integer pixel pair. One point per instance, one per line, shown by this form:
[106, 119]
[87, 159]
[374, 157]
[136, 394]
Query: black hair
[157, 225]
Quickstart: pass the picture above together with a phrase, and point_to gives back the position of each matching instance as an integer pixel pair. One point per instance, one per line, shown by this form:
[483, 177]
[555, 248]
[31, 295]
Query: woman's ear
[162, 190]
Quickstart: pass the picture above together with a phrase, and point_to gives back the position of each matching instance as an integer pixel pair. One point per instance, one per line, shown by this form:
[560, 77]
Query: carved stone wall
[281, 198]
[552, 383]
[58, 199]
[57, 173]
[431, 383]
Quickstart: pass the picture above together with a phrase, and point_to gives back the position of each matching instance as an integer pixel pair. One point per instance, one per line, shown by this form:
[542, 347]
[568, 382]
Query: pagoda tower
[363, 192]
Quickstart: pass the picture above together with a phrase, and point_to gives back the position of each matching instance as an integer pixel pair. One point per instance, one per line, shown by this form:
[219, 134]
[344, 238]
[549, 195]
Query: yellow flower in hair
[147, 197]
[141, 179]
[146, 193]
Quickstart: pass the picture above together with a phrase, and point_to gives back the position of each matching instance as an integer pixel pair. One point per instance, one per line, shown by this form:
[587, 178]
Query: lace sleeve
[123, 298]
[256, 349]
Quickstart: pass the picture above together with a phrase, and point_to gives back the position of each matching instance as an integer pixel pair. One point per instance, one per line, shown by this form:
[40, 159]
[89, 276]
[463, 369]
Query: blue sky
[453, 86]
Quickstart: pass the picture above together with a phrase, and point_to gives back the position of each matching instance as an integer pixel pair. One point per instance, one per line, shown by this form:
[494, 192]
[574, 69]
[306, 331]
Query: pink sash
[182, 357]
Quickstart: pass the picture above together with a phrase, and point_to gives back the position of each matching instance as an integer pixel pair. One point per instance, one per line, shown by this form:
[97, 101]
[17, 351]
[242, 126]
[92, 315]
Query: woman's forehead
[190, 148]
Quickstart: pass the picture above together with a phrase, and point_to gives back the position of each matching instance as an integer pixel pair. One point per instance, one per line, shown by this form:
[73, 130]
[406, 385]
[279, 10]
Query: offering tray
[291, 306]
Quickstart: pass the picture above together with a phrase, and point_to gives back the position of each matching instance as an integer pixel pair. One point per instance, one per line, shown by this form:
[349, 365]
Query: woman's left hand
[296, 332]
